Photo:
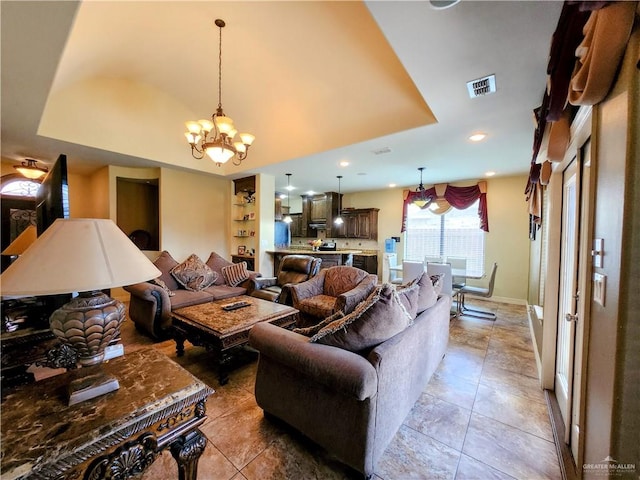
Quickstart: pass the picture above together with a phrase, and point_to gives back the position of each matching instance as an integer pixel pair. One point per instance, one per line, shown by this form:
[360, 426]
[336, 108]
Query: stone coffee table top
[211, 316]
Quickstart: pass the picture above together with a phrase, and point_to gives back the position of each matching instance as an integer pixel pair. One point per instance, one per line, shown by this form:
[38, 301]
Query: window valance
[457, 197]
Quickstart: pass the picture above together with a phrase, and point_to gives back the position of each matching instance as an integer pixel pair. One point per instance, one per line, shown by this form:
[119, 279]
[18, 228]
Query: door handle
[571, 318]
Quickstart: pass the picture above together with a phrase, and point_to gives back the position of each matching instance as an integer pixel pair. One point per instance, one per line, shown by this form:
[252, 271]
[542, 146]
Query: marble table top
[39, 429]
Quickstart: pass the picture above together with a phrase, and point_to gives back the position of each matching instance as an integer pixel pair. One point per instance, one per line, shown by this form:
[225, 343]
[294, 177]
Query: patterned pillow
[375, 320]
[193, 274]
[158, 281]
[235, 274]
[312, 330]
[436, 281]
[216, 263]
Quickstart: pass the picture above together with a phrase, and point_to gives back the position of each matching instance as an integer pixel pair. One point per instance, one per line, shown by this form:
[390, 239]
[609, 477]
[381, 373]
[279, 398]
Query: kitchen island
[330, 258]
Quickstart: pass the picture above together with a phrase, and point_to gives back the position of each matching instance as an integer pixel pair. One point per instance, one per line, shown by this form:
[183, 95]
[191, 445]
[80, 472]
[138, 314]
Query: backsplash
[341, 243]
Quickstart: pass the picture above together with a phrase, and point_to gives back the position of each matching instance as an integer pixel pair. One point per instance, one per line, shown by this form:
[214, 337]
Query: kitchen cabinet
[359, 223]
[296, 226]
[318, 209]
[368, 263]
[245, 185]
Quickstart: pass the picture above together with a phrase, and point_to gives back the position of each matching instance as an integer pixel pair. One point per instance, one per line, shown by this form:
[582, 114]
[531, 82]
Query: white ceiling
[316, 82]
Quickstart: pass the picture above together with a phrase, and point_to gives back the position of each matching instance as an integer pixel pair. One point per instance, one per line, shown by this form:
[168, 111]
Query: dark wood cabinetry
[251, 261]
[368, 263]
[296, 226]
[246, 184]
[318, 209]
[360, 223]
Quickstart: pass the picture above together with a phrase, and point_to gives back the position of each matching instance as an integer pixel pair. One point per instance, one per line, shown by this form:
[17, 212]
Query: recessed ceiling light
[489, 173]
[311, 192]
[289, 187]
[344, 163]
[283, 196]
[392, 185]
[478, 137]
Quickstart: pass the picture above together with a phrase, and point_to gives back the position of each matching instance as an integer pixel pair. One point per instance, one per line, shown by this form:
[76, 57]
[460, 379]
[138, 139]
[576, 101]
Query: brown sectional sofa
[348, 396]
[151, 305]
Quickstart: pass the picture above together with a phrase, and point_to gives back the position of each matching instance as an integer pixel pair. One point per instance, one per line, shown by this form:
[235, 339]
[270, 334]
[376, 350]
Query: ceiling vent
[482, 86]
[382, 151]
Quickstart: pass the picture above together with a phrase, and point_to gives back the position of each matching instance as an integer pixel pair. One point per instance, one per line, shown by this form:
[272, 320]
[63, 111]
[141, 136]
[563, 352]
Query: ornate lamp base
[87, 324]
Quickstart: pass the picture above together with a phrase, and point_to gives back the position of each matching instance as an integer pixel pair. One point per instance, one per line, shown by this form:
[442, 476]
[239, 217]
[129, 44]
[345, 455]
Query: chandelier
[30, 169]
[421, 198]
[215, 137]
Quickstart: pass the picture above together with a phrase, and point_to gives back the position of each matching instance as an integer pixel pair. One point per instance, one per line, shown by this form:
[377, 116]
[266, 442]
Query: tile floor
[482, 416]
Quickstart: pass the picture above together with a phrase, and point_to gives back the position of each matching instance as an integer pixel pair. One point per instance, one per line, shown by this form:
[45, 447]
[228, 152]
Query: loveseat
[181, 285]
[350, 390]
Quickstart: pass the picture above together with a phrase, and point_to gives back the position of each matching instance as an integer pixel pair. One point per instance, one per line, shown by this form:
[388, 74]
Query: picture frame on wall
[242, 249]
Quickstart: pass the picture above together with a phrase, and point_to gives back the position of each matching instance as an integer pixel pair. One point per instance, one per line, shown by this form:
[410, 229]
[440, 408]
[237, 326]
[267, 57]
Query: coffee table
[220, 331]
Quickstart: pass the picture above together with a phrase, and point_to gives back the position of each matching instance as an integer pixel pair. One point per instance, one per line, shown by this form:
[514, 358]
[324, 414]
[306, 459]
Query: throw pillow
[235, 273]
[427, 291]
[193, 274]
[312, 330]
[437, 280]
[217, 263]
[158, 281]
[165, 262]
[408, 296]
[375, 320]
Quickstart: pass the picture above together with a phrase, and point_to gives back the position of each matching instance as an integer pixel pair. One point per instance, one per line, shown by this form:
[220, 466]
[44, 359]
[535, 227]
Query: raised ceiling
[316, 82]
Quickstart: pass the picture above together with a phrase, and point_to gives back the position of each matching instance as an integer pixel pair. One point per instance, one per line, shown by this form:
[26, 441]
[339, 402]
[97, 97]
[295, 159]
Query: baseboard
[565, 458]
[532, 315]
[512, 301]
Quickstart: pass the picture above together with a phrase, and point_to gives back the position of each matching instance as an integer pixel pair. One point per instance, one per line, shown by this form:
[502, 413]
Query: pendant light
[338, 220]
[287, 218]
[421, 199]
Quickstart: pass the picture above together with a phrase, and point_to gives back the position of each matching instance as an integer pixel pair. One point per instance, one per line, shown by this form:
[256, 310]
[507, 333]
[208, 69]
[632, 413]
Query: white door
[568, 296]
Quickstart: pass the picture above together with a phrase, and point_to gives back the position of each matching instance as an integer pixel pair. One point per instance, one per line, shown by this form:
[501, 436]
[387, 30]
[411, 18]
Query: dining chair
[458, 264]
[444, 269]
[411, 270]
[392, 267]
[430, 259]
[484, 292]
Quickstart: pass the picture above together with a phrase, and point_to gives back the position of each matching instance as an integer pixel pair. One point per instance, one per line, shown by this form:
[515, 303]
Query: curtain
[457, 197]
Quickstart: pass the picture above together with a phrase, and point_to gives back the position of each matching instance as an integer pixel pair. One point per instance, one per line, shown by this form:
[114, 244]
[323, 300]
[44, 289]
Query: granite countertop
[307, 251]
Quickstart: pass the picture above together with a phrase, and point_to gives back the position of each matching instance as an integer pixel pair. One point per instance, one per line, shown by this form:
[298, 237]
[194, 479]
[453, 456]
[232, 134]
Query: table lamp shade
[77, 255]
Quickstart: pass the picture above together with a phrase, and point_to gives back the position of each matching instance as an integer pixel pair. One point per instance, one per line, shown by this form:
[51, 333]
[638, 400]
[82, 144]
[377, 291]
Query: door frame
[581, 128]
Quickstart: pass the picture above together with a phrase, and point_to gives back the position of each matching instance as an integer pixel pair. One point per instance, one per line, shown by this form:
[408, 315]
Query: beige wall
[194, 214]
[507, 242]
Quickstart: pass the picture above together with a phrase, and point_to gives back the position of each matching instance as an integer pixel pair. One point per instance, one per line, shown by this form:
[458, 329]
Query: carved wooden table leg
[187, 450]
[224, 362]
[179, 337]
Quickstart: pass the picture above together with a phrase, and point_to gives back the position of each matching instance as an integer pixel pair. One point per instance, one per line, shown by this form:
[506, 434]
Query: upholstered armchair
[333, 289]
[293, 269]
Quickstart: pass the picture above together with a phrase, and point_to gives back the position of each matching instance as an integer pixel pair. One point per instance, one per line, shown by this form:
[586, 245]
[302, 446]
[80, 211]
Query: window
[19, 186]
[456, 233]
